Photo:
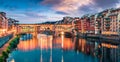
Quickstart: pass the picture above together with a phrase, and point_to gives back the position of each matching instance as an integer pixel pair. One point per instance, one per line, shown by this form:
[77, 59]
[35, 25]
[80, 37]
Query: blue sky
[37, 11]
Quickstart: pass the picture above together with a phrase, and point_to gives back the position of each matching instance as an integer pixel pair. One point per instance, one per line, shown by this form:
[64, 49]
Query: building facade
[3, 23]
[110, 24]
[7, 25]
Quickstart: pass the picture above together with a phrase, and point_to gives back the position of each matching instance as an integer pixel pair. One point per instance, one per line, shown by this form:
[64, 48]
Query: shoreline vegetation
[12, 45]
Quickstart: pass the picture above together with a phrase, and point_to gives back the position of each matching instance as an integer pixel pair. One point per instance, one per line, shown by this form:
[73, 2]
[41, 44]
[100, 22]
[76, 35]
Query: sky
[37, 11]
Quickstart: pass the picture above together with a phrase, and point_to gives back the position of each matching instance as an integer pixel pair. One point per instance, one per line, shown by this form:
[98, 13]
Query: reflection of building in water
[51, 55]
[62, 42]
[110, 53]
[80, 45]
[66, 43]
[62, 37]
[86, 47]
[104, 52]
[62, 58]
[28, 45]
[45, 41]
[119, 52]
[42, 42]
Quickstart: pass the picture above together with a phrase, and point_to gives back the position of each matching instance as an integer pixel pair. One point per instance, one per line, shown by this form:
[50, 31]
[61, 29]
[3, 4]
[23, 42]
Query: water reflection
[45, 48]
[28, 44]
[106, 52]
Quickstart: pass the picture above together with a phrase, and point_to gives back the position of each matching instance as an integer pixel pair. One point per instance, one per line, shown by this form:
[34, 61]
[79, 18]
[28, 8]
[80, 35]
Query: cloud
[105, 3]
[71, 6]
[32, 17]
[51, 2]
[28, 11]
[35, 15]
[61, 13]
[50, 10]
[67, 6]
[78, 7]
[118, 4]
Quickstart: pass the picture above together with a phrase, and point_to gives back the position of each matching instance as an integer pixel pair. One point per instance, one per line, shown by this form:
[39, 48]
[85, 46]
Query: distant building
[98, 21]
[65, 20]
[85, 24]
[12, 23]
[7, 24]
[111, 22]
[92, 24]
[3, 22]
[78, 24]
[106, 22]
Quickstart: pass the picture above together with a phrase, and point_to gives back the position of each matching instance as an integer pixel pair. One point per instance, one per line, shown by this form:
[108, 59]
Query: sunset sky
[37, 11]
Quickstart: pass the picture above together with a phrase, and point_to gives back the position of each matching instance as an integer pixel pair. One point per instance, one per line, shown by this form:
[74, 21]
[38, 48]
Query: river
[44, 48]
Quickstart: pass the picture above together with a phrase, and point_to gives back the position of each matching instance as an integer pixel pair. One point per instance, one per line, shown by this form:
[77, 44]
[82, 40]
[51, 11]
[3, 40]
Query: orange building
[85, 25]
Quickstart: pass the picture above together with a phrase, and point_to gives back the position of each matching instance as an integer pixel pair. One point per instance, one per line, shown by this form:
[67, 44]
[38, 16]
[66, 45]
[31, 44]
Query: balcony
[107, 19]
[107, 25]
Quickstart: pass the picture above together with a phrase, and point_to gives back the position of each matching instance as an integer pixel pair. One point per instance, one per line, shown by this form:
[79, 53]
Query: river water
[44, 48]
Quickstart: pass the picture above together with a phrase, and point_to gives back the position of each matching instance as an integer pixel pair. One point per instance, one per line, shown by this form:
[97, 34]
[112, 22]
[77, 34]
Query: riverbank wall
[105, 38]
[5, 39]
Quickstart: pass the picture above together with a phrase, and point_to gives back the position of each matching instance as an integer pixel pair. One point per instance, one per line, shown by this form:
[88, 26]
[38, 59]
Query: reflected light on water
[43, 42]
[66, 43]
[82, 44]
[51, 56]
[62, 37]
[41, 50]
[12, 60]
[62, 60]
[27, 45]
[109, 45]
[42, 47]
[41, 57]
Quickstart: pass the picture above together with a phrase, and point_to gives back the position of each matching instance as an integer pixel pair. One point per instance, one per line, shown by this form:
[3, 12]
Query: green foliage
[9, 47]
[4, 54]
[1, 59]
[12, 45]
[8, 50]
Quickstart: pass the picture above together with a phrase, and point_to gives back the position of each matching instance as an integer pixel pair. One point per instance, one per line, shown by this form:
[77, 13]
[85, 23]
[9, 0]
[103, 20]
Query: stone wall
[5, 39]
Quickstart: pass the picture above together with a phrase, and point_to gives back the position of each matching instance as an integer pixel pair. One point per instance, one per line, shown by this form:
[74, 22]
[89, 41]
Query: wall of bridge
[23, 28]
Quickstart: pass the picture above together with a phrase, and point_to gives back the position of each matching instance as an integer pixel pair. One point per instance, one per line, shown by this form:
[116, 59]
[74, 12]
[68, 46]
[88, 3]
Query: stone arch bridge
[36, 28]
